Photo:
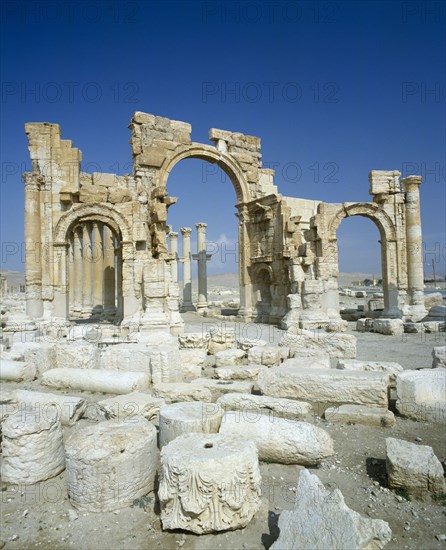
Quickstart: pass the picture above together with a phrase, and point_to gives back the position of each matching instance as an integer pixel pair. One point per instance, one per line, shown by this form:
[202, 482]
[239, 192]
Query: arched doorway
[237, 178]
[94, 271]
[389, 253]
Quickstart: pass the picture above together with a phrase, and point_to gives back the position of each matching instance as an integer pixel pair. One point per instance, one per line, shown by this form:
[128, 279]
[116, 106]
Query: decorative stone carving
[209, 483]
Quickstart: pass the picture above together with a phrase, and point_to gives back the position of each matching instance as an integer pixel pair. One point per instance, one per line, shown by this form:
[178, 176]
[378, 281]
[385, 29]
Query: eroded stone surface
[326, 385]
[390, 368]
[32, 446]
[110, 464]
[229, 357]
[439, 357]
[414, 468]
[247, 372]
[356, 414]
[251, 405]
[332, 344]
[16, 371]
[126, 406]
[321, 519]
[220, 387]
[280, 440]
[421, 395]
[390, 327]
[181, 391]
[69, 408]
[209, 483]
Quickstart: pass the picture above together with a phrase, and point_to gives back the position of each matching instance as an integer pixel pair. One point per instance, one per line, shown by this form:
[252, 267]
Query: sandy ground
[40, 516]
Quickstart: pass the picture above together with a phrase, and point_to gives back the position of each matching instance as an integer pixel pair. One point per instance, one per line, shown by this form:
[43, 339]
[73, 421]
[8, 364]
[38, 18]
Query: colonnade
[201, 257]
[95, 286]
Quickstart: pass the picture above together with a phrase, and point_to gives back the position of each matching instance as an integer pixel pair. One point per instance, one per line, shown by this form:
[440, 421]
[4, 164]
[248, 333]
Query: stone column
[77, 271]
[33, 253]
[414, 244]
[120, 297]
[109, 272]
[173, 236]
[202, 259]
[71, 275]
[98, 268]
[187, 275]
[87, 270]
[244, 253]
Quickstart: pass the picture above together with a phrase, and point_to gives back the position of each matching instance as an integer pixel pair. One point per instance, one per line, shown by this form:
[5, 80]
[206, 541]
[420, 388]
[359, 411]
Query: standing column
[87, 270]
[109, 272]
[33, 260]
[98, 268]
[415, 275]
[71, 275]
[187, 276]
[202, 259]
[77, 271]
[173, 236]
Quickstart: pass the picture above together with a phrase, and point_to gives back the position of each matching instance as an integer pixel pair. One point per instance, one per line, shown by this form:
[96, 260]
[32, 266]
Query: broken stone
[69, 408]
[165, 364]
[192, 417]
[390, 327]
[97, 380]
[181, 391]
[127, 357]
[390, 368]
[246, 344]
[280, 440]
[77, 355]
[192, 362]
[247, 372]
[329, 343]
[326, 385]
[321, 519]
[413, 467]
[439, 357]
[269, 356]
[229, 357]
[356, 414]
[209, 483]
[221, 339]
[194, 340]
[126, 406]
[220, 387]
[246, 404]
[315, 362]
[110, 464]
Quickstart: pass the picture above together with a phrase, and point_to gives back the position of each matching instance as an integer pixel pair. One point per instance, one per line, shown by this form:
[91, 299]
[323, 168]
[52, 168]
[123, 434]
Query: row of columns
[202, 258]
[94, 271]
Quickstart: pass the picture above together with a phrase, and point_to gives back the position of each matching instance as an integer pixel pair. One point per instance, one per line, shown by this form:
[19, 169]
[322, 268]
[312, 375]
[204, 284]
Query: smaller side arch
[91, 212]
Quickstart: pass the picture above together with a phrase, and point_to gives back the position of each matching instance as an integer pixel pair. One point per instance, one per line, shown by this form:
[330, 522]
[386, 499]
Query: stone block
[192, 361]
[414, 468]
[194, 340]
[229, 357]
[77, 355]
[389, 327]
[281, 440]
[127, 357]
[69, 408]
[421, 395]
[181, 391]
[314, 362]
[433, 299]
[248, 372]
[250, 406]
[247, 343]
[126, 406]
[331, 343]
[388, 367]
[358, 414]
[326, 386]
[220, 387]
[269, 356]
[165, 364]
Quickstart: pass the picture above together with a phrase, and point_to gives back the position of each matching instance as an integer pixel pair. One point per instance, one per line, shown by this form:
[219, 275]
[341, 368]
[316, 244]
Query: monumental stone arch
[96, 245]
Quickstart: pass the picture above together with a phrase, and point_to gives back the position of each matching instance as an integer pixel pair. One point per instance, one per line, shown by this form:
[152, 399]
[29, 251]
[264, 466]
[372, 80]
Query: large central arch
[238, 179]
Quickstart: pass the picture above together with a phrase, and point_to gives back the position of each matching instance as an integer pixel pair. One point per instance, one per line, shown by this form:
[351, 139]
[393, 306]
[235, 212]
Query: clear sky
[334, 89]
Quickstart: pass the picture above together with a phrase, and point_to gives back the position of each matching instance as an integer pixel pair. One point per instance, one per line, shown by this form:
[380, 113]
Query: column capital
[173, 234]
[186, 231]
[411, 181]
[201, 226]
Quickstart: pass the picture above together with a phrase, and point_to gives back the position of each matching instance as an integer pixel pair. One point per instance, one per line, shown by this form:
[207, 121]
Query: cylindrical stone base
[32, 446]
[190, 417]
[209, 483]
[111, 464]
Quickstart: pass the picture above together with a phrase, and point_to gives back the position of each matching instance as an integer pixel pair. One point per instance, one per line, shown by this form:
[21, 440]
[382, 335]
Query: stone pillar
[173, 236]
[244, 250]
[414, 245]
[98, 268]
[87, 270]
[109, 272]
[120, 297]
[202, 259]
[77, 271]
[33, 253]
[312, 315]
[71, 275]
[187, 275]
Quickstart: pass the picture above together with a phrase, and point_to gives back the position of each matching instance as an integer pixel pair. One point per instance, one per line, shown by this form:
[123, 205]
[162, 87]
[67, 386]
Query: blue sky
[334, 89]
